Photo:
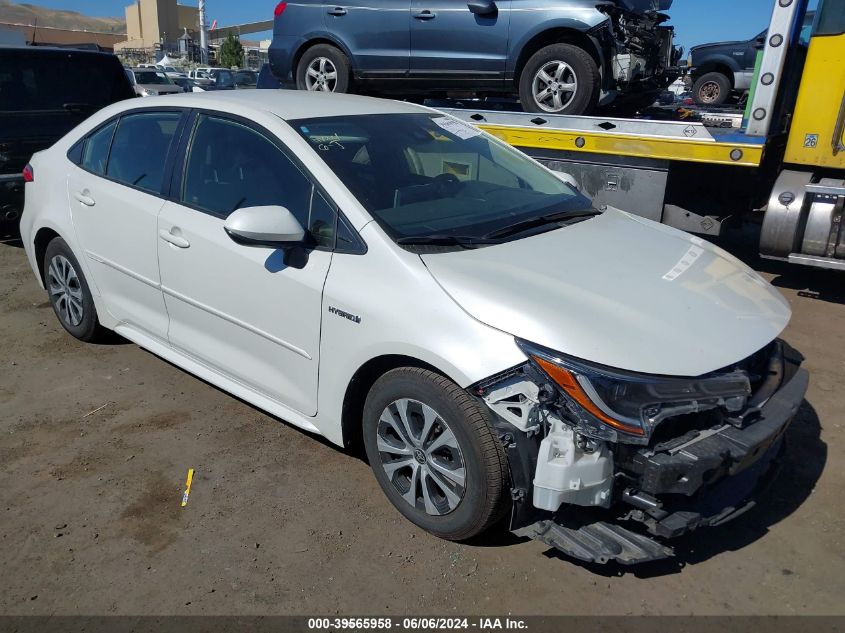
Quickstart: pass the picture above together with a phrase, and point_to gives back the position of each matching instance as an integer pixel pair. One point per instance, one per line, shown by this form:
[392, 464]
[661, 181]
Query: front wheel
[559, 79]
[434, 453]
[323, 68]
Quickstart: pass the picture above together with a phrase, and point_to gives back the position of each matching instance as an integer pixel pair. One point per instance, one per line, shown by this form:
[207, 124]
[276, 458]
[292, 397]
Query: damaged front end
[642, 55]
[606, 464]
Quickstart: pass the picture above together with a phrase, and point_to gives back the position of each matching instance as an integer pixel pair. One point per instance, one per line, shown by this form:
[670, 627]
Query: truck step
[597, 542]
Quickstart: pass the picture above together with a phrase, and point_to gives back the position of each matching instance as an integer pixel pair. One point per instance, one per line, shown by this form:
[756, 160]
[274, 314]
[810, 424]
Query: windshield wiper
[438, 239]
[565, 217]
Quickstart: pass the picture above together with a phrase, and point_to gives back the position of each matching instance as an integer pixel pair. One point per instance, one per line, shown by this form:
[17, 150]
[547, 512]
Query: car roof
[286, 104]
[54, 50]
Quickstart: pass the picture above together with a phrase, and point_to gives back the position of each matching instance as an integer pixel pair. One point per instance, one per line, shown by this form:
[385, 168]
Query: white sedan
[380, 272]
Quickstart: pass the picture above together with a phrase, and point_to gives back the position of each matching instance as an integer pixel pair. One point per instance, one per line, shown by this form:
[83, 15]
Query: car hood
[641, 6]
[732, 43]
[620, 291]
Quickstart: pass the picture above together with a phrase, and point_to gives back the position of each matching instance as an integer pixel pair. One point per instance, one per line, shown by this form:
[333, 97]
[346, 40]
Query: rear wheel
[434, 454]
[323, 68]
[69, 293]
[711, 89]
[559, 79]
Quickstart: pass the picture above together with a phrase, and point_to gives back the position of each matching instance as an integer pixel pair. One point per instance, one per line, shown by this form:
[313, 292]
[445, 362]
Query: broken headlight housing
[623, 406]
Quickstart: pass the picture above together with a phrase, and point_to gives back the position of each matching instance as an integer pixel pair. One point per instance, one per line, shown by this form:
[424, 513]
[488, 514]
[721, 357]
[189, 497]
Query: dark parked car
[725, 69]
[267, 80]
[560, 56]
[223, 79]
[245, 79]
[44, 93]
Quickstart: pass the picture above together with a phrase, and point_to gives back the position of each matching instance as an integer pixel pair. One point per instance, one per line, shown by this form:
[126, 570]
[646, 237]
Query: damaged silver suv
[559, 56]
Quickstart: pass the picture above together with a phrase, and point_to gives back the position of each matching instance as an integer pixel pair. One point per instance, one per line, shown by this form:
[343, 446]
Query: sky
[695, 21]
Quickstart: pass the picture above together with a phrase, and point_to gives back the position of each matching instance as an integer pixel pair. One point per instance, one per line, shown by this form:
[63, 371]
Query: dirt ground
[95, 443]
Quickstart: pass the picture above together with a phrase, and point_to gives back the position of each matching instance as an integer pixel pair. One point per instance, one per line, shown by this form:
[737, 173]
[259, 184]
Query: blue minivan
[559, 56]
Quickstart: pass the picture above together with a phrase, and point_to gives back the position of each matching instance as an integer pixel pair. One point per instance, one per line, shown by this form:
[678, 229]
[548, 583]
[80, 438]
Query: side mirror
[271, 226]
[482, 7]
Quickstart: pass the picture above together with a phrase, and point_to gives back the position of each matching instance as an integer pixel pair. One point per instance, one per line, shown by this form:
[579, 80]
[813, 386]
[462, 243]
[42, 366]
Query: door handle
[84, 198]
[338, 11]
[425, 15]
[176, 240]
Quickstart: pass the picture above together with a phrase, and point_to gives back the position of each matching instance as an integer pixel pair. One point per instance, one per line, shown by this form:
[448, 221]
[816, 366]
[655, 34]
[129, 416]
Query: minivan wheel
[559, 79]
[69, 293]
[434, 453]
[711, 89]
[323, 68]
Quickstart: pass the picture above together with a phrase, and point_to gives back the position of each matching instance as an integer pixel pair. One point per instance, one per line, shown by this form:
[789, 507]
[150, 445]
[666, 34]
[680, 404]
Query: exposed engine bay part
[708, 446]
[598, 542]
[642, 47]
[515, 400]
[573, 471]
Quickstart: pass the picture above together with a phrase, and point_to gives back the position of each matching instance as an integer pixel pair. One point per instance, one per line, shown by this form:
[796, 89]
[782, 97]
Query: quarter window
[140, 147]
[96, 151]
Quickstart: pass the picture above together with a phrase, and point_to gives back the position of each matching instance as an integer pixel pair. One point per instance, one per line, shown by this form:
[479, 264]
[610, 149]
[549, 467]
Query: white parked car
[171, 71]
[201, 77]
[380, 272]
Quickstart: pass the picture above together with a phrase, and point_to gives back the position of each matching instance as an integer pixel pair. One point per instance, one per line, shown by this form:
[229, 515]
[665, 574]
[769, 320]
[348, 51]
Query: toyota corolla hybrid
[380, 272]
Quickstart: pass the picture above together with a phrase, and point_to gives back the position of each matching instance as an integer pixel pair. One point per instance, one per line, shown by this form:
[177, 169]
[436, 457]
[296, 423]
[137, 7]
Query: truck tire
[323, 67]
[434, 453]
[711, 89]
[560, 79]
[69, 293]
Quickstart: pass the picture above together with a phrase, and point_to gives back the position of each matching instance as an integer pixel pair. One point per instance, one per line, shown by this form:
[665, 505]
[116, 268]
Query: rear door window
[139, 149]
[38, 80]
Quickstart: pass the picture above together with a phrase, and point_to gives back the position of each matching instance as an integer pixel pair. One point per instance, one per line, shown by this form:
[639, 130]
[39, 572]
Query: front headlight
[631, 403]
[149, 93]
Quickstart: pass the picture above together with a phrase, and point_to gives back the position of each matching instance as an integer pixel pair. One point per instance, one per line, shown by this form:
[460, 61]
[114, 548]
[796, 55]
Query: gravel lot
[95, 443]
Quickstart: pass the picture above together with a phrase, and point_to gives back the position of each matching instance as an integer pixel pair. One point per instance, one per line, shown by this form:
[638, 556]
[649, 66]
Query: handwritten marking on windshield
[327, 142]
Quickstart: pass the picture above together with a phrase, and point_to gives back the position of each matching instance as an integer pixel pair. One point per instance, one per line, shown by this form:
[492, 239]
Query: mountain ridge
[32, 15]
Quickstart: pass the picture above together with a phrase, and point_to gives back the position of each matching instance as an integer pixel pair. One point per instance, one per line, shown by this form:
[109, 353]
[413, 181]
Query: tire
[64, 279]
[577, 63]
[711, 89]
[481, 500]
[323, 57]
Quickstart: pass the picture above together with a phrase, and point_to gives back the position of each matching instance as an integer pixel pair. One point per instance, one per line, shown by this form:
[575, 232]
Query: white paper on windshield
[458, 128]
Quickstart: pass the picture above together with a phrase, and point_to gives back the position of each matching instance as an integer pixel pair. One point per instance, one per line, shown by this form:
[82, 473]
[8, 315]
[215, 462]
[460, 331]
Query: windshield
[147, 77]
[421, 174]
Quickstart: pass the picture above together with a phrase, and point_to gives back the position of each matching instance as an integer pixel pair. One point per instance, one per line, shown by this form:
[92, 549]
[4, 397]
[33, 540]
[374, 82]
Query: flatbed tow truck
[782, 162]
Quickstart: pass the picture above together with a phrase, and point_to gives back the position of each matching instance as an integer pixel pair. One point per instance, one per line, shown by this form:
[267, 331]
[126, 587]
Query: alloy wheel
[321, 74]
[65, 290]
[421, 456]
[554, 86]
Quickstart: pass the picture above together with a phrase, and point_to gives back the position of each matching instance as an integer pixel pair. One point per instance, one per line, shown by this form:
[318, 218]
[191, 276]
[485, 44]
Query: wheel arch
[359, 386]
[43, 237]
[717, 65]
[556, 35]
[323, 38]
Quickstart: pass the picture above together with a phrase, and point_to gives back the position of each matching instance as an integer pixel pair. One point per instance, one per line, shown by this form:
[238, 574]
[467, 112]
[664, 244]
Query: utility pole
[203, 34]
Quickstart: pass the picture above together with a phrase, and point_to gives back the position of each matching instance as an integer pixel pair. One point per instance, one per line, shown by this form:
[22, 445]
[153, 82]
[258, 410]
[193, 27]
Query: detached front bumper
[704, 478]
